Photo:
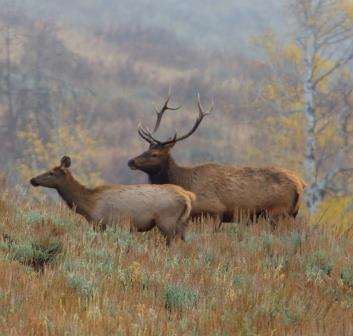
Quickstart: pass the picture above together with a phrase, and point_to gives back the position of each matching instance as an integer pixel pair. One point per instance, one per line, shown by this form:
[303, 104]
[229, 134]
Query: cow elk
[167, 207]
[222, 191]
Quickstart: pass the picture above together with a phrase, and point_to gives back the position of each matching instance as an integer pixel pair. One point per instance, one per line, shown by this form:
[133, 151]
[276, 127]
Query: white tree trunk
[325, 34]
[313, 195]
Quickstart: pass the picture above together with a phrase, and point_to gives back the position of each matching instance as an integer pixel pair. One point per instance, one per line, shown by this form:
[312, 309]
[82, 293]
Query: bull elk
[167, 207]
[222, 191]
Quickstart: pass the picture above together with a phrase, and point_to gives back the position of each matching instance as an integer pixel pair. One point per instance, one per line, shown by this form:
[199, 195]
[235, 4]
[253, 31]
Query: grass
[180, 297]
[243, 280]
[34, 254]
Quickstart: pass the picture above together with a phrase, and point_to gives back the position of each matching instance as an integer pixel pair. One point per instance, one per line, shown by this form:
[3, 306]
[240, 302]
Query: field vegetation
[77, 81]
[58, 276]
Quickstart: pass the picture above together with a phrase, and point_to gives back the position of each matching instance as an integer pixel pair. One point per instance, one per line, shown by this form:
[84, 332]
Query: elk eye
[154, 155]
[51, 173]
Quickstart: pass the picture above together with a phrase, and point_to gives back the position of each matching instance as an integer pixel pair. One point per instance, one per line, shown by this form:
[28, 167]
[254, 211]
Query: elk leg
[168, 228]
[217, 222]
[99, 226]
[181, 231]
[275, 216]
[168, 237]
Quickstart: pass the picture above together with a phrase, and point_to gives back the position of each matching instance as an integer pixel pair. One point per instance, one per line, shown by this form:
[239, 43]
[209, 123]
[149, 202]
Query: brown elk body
[222, 191]
[167, 207]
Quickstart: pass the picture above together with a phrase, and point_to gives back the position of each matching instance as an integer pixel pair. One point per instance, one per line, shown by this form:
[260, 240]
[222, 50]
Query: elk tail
[189, 202]
[297, 200]
[304, 185]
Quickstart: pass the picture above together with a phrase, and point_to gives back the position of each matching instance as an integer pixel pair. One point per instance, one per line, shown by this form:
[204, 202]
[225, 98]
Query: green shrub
[238, 231]
[347, 275]
[274, 261]
[80, 285]
[296, 239]
[267, 242]
[242, 279]
[34, 254]
[125, 277]
[209, 257]
[180, 297]
[192, 237]
[123, 239]
[34, 216]
[101, 258]
[251, 244]
[318, 263]
[247, 329]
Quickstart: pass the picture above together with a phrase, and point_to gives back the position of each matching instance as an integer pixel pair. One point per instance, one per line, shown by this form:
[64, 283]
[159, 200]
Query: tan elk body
[168, 207]
[222, 191]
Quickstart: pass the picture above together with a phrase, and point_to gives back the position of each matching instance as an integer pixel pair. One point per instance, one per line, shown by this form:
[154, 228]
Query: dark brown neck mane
[162, 177]
[171, 173]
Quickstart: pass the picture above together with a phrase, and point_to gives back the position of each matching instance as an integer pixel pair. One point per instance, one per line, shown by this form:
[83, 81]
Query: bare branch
[329, 72]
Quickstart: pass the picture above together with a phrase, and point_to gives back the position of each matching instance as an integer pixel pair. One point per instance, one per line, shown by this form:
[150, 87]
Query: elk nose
[131, 164]
[33, 182]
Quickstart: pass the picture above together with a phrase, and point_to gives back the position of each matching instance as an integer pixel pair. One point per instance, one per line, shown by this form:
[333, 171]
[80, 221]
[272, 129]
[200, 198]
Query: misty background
[76, 78]
[227, 25]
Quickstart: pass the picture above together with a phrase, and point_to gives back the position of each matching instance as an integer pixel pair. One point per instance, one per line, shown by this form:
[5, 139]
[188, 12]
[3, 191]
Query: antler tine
[164, 108]
[201, 115]
[147, 135]
[143, 134]
[171, 139]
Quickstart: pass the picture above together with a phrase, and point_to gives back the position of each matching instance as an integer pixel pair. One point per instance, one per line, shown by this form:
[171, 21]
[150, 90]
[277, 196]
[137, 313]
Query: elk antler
[147, 134]
[164, 108]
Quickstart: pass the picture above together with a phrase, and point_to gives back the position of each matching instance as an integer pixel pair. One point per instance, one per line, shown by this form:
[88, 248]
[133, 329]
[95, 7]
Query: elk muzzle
[34, 182]
[132, 164]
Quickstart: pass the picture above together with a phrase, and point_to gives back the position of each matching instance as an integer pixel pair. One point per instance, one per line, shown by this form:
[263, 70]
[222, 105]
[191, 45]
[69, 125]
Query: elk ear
[65, 162]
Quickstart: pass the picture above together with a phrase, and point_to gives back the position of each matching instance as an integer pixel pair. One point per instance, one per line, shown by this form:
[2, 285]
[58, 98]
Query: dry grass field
[60, 277]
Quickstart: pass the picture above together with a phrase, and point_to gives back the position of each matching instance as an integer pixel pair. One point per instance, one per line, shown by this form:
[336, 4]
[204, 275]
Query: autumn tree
[326, 40]
[38, 82]
[70, 138]
[309, 89]
[51, 70]
[11, 39]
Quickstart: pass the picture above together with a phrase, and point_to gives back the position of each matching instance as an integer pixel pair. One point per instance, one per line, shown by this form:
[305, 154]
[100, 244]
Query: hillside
[229, 25]
[58, 276]
[110, 75]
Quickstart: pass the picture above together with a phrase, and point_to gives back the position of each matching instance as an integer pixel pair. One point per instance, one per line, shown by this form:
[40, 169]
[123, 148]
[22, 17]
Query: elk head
[54, 177]
[156, 157]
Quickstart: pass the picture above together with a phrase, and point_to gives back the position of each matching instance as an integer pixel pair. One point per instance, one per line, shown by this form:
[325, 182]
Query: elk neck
[77, 196]
[171, 173]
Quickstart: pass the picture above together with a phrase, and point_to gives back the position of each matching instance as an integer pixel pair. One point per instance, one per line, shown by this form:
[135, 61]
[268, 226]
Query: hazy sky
[221, 24]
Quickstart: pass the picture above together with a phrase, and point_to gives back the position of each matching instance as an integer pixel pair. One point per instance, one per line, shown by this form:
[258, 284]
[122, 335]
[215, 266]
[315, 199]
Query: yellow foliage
[268, 42]
[322, 66]
[294, 53]
[283, 90]
[287, 134]
[335, 213]
[70, 139]
[348, 8]
[328, 136]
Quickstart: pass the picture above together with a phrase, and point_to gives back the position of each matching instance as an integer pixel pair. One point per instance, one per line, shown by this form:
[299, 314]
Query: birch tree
[308, 94]
[326, 39]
